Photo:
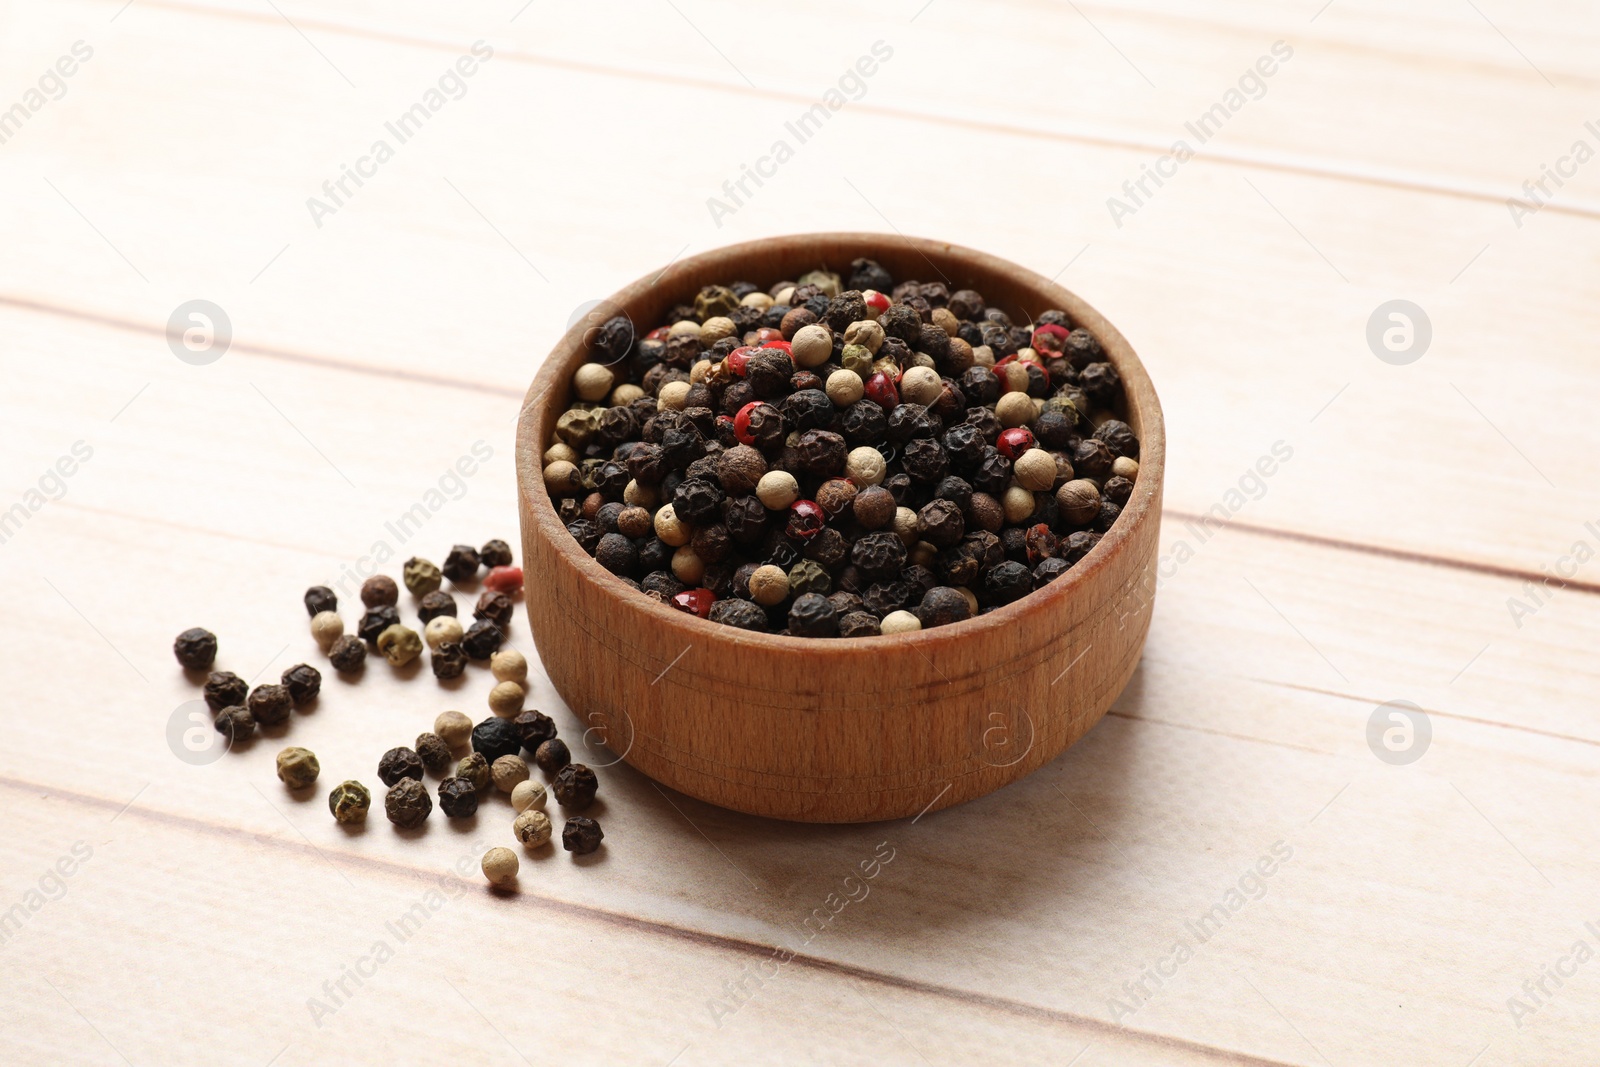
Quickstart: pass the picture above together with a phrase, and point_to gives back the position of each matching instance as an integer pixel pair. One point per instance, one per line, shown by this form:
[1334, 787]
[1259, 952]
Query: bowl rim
[535, 422]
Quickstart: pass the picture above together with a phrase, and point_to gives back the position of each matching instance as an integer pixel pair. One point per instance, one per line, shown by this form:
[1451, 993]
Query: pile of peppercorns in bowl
[491, 748]
[841, 457]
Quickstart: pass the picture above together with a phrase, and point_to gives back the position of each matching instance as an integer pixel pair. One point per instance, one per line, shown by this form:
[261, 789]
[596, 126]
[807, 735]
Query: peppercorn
[236, 724]
[1117, 490]
[581, 836]
[494, 737]
[461, 565]
[442, 630]
[768, 585]
[448, 661]
[475, 769]
[508, 580]
[1079, 501]
[407, 805]
[858, 624]
[533, 729]
[320, 598]
[811, 615]
[379, 591]
[399, 645]
[451, 727]
[347, 654]
[298, 768]
[398, 763]
[269, 704]
[509, 665]
[224, 688]
[500, 866]
[495, 553]
[196, 648]
[436, 605]
[899, 622]
[377, 620]
[499, 609]
[552, 755]
[349, 801]
[528, 794]
[507, 772]
[458, 798]
[532, 828]
[326, 628]
[482, 639]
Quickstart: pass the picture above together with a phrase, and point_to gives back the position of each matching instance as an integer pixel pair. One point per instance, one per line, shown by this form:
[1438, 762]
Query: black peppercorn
[812, 615]
[993, 473]
[303, 681]
[380, 590]
[1117, 489]
[1101, 383]
[552, 755]
[1055, 429]
[434, 604]
[879, 555]
[1092, 458]
[434, 752]
[809, 409]
[533, 729]
[858, 624]
[398, 763]
[941, 523]
[482, 640]
[377, 620]
[495, 553]
[822, 453]
[941, 606]
[320, 598]
[581, 836]
[863, 423]
[269, 704]
[615, 553]
[224, 689]
[458, 799]
[1006, 582]
[1082, 349]
[924, 460]
[883, 597]
[575, 784]
[903, 322]
[236, 724]
[768, 371]
[496, 737]
[407, 805]
[909, 421]
[347, 654]
[461, 565]
[499, 609]
[867, 274]
[1108, 515]
[448, 661]
[740, 613]
[697, 501]
[196, 648]
[1048, 571]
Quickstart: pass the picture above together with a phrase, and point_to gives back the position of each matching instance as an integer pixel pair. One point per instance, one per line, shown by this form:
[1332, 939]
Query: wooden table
[1422, 908]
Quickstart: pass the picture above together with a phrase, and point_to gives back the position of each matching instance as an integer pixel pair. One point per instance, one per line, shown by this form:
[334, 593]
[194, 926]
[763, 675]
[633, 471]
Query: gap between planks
[666, 930]
[1255, 160]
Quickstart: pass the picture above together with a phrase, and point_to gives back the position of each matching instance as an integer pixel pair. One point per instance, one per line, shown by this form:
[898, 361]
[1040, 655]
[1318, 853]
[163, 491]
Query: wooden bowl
[840, 730]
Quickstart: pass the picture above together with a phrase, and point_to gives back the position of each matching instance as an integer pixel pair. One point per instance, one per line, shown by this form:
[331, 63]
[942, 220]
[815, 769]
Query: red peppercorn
[782, 346]
[695, 602]
[741, 423]
[767, 333]
[1049, 338]
[806, 519]
[738, 358]
[876, 302]
[507, 580]
[881, 391]
[1015, 441]
[660, 333]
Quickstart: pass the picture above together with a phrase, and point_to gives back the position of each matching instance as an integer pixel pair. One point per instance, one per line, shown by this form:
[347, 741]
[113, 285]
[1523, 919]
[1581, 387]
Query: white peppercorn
[811, 346]
[1014, 409]
[1018, 504]
[506, 698]
[442, 630]
[688, 567]
[920, 385]
[671, 529]
[900, 622]
[509, 665]
[592, 382]
[672, 395]
[454, 727]
[844, 387]
[507, 772]
[1124, 467]
[907, 526]
[500, 866]
[1035, 470]
[562, 452]
[769, 585]
[326, 628]
[562, 478]
[776, 490]
[865, 465]
[528, 794]
[532, 828]
[715, 329]
[625, 394]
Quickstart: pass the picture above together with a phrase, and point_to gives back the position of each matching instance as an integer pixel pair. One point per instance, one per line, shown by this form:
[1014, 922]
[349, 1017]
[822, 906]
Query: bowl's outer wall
[846, 730]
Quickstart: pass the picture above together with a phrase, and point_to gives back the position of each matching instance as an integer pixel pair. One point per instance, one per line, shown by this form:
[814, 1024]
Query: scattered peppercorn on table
[1341, 815]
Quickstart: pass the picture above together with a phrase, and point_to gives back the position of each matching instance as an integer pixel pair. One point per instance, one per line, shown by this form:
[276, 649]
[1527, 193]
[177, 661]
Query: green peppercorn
[581, 836]
[421, 576]
[475, 769]
[196, 648]
[407, 804]
[399, 645]
[349, 802]
[298, 767]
